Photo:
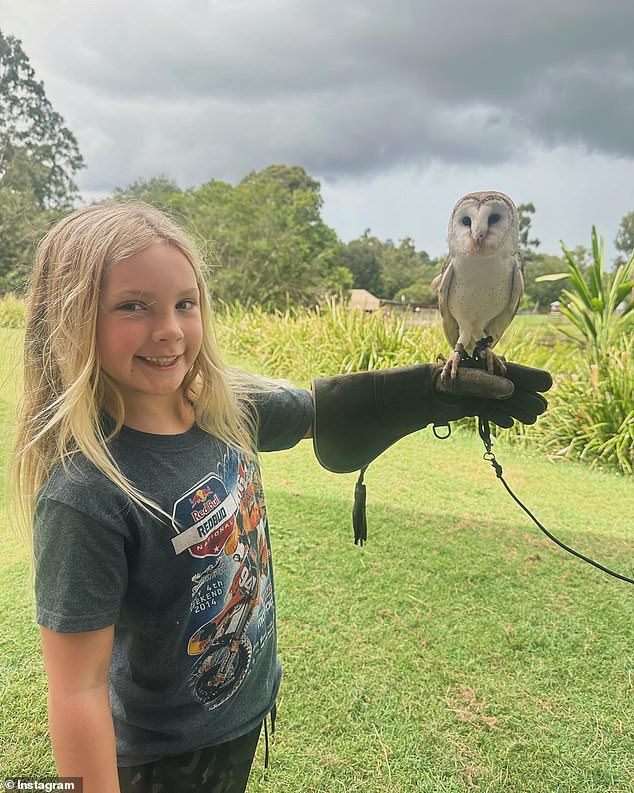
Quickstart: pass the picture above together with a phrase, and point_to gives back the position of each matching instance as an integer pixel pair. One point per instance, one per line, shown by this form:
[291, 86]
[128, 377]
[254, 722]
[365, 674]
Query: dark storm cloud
[207, 88]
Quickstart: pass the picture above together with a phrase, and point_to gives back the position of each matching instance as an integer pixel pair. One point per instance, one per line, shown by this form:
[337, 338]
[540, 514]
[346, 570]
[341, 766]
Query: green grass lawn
[458, 650]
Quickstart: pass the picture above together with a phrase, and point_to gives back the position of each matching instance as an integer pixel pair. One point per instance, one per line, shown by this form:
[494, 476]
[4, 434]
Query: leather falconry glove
[358, 416]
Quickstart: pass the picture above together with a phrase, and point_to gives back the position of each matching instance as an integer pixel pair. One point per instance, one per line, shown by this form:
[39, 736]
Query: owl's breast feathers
[479, 296]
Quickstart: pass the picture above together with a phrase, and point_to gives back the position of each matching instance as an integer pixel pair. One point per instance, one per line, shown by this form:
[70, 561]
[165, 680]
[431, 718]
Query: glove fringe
[359, 521]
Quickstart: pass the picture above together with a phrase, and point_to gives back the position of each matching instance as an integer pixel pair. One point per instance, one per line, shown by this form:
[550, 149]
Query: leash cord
[484, 430]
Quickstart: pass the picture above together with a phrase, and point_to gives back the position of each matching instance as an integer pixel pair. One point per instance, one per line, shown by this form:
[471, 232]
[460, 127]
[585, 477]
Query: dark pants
[217, 769]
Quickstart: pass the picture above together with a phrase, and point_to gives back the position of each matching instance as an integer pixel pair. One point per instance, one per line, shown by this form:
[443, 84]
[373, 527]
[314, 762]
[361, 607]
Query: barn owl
[481, 283]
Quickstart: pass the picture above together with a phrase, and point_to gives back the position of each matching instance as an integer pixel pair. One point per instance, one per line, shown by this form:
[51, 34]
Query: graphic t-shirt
[194, 660]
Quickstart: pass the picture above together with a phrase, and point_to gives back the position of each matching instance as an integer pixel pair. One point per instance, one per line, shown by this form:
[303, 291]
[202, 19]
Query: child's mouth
[160, 363]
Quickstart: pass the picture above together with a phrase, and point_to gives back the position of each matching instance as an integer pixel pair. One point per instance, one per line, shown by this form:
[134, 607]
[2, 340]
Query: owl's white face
[483, 224]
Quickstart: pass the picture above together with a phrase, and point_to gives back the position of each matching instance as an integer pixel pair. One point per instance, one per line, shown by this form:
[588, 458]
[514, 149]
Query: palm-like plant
[593, 416]
[592, 303]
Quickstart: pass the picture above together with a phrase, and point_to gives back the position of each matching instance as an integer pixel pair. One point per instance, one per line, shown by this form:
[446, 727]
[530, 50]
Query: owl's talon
[450, 369]
[494, 363]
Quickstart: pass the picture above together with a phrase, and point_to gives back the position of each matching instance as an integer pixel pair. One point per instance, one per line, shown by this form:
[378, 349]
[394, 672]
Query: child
[136, 463]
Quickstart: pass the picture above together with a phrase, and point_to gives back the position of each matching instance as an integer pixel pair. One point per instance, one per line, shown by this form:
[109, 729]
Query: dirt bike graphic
[225, 650]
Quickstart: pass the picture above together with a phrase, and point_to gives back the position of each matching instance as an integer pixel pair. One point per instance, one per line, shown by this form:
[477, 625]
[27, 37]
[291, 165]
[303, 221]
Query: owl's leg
[492, 362]
[450, 369]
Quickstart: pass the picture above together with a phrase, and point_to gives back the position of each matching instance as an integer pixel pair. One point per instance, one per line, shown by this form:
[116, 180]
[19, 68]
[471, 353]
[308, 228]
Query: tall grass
[301, 344]
[591, 417]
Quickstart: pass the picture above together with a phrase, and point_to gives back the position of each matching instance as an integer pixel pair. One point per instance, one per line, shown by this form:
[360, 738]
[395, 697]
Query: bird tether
[484, 430]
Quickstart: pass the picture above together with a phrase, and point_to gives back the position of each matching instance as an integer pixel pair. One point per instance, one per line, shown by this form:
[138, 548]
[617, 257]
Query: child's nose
[167, 328]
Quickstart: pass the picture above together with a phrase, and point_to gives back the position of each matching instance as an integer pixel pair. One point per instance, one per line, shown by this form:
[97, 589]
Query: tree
[293, 178]
[526, 244]
[159, 191]
[38, 159]
[16, 238]
[540, 294]
[419, 292]
[37, 152]
[400, 266]
[624, 241]
[270, 244]
[363, 258]
[407, 272]
[389, 270]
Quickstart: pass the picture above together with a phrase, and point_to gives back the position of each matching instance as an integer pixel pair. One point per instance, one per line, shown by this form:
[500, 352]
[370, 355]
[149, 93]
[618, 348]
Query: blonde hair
[65, 390]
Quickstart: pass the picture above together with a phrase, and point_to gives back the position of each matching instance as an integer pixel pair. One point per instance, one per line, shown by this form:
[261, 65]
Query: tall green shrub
[594, 302]
[592, 418]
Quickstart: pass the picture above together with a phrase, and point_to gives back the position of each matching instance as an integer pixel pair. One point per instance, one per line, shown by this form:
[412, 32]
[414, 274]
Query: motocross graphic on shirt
[222, 522]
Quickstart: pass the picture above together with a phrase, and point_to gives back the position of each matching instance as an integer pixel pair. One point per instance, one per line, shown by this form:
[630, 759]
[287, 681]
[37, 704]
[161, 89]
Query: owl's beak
[478, 239]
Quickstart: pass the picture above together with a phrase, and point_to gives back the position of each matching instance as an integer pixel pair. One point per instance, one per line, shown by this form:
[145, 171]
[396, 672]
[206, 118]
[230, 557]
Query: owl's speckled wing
[499, 324]
[442, 282]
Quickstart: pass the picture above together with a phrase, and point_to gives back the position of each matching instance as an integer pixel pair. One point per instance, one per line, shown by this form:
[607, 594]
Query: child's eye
[131, 307]
[186, 304]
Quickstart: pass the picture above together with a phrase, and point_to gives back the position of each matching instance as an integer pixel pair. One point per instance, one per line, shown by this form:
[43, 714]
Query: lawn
[458, 650]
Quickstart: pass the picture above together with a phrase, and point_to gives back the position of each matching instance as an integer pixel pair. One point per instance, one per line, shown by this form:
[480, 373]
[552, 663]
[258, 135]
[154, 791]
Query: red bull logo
[208, 505]
[200, 496]
[204, 518]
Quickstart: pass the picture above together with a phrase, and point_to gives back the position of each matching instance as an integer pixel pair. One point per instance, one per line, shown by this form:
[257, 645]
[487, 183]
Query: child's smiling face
[149, 328]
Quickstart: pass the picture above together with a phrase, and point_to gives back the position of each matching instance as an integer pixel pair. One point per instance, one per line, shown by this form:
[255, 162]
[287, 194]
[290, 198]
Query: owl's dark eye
[466, 220]
[493, 218]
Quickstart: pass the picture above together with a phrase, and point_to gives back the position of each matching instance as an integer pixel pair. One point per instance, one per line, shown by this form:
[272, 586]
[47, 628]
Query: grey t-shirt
[194, 661]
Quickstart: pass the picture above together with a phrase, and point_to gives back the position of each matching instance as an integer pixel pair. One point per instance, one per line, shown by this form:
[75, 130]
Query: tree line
[264, 238]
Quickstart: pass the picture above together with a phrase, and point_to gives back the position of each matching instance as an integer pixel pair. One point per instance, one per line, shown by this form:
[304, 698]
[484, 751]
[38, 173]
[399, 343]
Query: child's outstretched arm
[79, 714]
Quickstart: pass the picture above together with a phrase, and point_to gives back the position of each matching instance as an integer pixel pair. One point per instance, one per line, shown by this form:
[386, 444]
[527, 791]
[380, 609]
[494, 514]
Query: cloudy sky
[398, 108]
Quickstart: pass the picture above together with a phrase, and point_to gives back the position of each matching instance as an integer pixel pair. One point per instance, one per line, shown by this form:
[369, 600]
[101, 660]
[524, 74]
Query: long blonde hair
[65, 390]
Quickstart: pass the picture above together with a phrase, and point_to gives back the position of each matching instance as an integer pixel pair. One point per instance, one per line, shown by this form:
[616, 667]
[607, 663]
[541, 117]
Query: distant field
[545, 326]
